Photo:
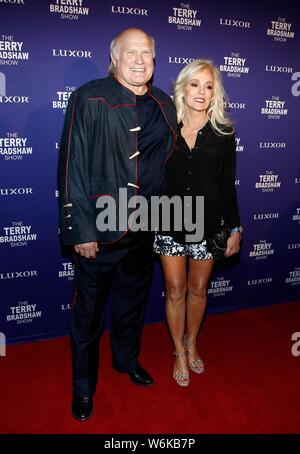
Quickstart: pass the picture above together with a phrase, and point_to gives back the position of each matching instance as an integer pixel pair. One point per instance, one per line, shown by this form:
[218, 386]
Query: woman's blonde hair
[215, 112]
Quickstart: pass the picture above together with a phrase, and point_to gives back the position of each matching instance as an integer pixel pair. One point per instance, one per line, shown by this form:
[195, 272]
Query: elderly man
[118, 133]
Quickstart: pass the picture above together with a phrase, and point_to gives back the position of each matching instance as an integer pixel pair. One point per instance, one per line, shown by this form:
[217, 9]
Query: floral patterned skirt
[166, 245]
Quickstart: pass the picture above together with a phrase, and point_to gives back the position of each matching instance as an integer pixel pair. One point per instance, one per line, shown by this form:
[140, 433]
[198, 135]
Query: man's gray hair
[114, 49]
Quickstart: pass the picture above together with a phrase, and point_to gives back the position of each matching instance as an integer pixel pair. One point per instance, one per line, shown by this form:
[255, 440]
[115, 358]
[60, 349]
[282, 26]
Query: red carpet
[251, 383]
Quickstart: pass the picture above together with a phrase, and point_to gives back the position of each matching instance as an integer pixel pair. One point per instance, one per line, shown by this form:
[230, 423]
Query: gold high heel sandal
[197, 365]
[181, 378]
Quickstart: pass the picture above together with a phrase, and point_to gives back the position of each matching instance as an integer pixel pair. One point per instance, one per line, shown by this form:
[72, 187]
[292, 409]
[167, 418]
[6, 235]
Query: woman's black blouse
[207, 170]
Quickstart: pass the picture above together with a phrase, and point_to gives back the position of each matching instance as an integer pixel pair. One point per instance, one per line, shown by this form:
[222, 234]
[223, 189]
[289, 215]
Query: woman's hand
[233, 244]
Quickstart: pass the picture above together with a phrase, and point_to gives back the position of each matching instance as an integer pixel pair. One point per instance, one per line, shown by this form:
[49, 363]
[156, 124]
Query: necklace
[198, 127]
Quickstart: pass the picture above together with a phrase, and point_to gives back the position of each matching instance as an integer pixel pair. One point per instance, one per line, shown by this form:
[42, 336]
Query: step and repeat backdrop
[49, 48]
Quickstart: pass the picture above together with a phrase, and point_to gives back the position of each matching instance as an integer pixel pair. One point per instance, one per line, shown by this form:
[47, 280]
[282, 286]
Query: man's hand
[233, 244]
[87, 250]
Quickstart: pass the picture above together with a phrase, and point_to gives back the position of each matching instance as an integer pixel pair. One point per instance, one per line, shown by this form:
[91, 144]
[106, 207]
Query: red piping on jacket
[137, 158]
[115, 106]
[136, 179]
[69, 146]
[136, 149]
[99, 195]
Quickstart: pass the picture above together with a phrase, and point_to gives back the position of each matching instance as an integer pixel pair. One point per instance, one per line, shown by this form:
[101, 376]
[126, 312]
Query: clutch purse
[217, 243]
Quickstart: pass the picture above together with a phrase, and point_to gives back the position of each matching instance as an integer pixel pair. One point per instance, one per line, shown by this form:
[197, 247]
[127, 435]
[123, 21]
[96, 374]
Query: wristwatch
[237, 229]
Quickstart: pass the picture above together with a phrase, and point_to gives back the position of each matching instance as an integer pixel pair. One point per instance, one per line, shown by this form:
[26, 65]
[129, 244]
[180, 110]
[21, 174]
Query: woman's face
[199, 91]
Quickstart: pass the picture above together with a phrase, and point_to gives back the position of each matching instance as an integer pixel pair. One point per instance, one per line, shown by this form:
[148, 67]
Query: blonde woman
[203, 164]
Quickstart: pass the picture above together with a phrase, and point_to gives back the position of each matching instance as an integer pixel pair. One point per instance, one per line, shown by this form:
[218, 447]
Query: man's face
[133, 59]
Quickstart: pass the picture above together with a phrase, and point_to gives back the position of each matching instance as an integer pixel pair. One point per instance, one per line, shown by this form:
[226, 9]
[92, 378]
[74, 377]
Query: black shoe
[82, 408]
[140, 376]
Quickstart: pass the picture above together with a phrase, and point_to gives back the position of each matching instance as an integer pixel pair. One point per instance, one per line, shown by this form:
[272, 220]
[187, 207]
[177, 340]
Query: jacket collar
[126, 90]
[121, 88]
[131, 96]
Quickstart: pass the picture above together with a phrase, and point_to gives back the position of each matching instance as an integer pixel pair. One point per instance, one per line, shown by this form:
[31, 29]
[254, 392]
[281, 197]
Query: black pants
[127, 267]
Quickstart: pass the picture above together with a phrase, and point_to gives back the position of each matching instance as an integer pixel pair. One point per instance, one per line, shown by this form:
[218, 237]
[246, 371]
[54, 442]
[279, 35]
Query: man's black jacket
[99, 155]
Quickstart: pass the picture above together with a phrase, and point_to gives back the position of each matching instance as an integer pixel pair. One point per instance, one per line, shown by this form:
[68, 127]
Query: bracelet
[237, 229]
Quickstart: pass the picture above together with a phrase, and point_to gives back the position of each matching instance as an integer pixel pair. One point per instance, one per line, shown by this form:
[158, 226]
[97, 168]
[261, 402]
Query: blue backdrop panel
[48, 48]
